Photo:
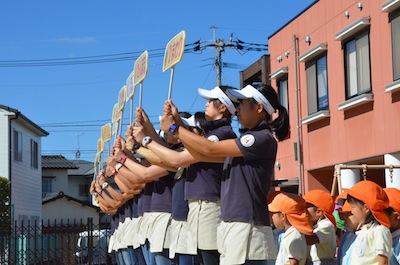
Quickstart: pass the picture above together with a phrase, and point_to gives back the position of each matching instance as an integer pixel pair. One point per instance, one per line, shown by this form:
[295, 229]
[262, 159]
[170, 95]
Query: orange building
[337, 69]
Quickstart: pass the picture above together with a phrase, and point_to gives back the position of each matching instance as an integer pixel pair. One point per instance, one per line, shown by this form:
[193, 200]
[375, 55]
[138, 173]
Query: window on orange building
[357, 65]
[282, 85]
[395, 21]
[317, 85]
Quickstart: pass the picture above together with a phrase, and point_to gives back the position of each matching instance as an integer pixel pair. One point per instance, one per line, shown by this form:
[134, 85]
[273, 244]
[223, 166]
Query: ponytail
[280, 126]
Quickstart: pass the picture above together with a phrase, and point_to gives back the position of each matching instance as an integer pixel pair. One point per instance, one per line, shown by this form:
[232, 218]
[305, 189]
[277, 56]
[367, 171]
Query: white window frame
[314, 83]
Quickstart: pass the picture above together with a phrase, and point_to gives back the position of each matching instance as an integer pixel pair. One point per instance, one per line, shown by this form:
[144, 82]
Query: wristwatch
[117, 167]
[146, 140]
[122, 160]
[172, 128]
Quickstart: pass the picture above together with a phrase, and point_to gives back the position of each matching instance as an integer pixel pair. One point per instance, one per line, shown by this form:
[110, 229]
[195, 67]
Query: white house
[21, 164]
[63, 209]
[65, 189]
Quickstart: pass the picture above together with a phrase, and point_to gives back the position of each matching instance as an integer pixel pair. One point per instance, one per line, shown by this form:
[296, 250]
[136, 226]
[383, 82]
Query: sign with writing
[106, 132]
[140, 68]
[130, 87]
[122, 98]
[114, 128]
[116, 114]
[174, 50]
[100, 146]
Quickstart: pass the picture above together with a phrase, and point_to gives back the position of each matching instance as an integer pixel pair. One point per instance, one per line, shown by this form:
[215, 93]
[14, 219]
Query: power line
[108, 58]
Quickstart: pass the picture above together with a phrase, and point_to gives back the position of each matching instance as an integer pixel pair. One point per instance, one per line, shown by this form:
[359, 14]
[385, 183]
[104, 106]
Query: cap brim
[207, 94]
[274, 207]
[382, 218]
[239, 94]
[301, 223]
[346, 207]
[190, 121]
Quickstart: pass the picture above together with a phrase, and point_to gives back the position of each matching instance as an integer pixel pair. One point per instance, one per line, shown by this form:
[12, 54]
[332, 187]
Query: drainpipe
[298, 126]
[14, 117]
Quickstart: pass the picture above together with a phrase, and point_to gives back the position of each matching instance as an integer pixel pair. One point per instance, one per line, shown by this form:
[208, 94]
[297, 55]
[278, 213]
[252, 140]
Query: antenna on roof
[78, 153]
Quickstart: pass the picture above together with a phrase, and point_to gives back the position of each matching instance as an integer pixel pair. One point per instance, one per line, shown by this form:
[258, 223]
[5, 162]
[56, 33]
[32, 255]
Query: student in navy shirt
[244, 236]
[203, 181]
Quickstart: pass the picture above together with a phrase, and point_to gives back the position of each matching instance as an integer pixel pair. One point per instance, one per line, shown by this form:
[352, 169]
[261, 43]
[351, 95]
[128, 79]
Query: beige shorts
[157, 230]
[130, 237]
[203, 220]
[119, 235]
[143, 228]
[111, 243]
[177, 236]
[239, 241]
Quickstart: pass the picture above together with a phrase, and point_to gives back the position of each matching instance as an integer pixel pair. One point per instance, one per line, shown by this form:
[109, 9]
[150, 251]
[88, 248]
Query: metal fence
[64, 244]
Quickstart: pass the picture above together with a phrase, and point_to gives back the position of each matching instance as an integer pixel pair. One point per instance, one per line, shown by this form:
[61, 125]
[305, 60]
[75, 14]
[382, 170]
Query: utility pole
[220, 46]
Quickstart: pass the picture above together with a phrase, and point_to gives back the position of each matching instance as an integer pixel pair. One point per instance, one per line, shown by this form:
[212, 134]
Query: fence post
[90, 240]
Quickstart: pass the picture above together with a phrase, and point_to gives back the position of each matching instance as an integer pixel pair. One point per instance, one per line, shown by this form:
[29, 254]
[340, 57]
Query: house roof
[48, 198]
[84, 168]
[30, 123]
[57, 162]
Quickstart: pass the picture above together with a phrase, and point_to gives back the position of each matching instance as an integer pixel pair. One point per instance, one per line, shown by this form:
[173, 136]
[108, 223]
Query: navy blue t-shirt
[121, 213]
[128, 208]
[135, 212]
[246, 180]
[161, 199]
[180, 207]
[145, 198]
[203, 181]
[114, 222]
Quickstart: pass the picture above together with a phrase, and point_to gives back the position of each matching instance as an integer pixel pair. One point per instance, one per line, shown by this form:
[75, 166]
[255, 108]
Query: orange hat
[295, 209]
[344, 205]
[394, 198]
[272, 195]
[322, 200]
[374, 196]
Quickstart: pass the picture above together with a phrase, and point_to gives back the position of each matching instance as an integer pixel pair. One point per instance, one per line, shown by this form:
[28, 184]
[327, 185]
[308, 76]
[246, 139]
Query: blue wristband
[172, 128]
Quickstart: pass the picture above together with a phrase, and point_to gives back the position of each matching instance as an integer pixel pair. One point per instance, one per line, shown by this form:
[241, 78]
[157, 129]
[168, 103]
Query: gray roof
[55, 196]
[30, 123]
[57, 162]
[84, 168]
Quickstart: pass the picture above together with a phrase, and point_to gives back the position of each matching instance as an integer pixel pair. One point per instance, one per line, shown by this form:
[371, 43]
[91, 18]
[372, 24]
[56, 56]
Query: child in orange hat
[277, 232]
[320, 206]
[346, 243]
[373, 244]
[289, 212]
[393, 213]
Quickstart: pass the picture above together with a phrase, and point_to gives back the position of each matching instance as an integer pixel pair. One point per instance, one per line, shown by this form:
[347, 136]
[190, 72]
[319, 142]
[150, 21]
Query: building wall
[26, 188]
[74, 183]
[62, 210]
[60, 180]
[4, 144]
[370, 130]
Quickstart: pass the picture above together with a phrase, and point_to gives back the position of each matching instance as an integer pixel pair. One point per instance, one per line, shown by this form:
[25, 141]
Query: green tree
[5, 208]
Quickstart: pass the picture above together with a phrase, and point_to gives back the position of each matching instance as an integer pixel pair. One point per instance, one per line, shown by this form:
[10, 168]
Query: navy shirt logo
[247, 140]
[213, 138]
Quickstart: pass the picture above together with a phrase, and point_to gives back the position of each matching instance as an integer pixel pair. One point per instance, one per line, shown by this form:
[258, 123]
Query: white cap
[217, 93]
[191, 121]
[250, 92]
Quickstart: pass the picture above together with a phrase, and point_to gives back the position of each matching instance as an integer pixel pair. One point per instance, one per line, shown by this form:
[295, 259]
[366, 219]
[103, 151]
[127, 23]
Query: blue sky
[73, 101]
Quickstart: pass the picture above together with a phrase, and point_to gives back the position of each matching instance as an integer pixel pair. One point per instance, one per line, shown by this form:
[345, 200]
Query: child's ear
[366, 208]
[396, 215]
